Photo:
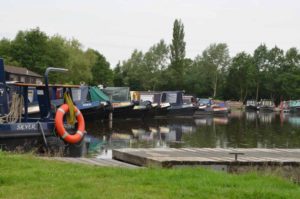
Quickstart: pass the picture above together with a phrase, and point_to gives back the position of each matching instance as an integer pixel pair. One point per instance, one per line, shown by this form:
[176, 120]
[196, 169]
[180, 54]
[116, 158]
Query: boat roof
[43, 85]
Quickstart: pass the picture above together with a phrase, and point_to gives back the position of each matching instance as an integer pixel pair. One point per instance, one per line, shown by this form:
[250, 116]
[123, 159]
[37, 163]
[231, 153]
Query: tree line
[36, 51]
[266, 73]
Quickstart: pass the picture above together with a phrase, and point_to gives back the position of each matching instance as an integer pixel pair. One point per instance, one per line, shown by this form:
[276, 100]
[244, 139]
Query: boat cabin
[251, 103]
[174, 98]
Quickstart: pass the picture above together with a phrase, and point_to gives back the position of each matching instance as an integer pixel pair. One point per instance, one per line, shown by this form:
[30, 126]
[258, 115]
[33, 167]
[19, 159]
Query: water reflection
[242, 129]
[266, 117]
[251, 115]
[238, 129]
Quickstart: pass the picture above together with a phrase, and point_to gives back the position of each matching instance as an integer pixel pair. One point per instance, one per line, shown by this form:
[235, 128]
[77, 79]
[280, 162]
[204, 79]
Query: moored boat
[177, 105]
[211, 107]
[294, 106]
[15, 121]
[220, 108]
[266, 105]
[123, 107]
[153, 98]
[92, 102]
[251, 105]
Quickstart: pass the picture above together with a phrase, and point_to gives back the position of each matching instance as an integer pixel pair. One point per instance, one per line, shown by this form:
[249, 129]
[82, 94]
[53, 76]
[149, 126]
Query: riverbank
[26, 176]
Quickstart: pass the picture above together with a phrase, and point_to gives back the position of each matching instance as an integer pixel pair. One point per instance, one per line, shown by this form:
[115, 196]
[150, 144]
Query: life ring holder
[60, 129]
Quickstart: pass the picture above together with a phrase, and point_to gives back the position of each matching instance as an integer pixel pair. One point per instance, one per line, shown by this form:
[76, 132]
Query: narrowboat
[294, 106]
[15, 121]
[122, 105]
[153, 97]
[204, 106]
[211, 107]
[219, 108]
[251, 105]
[177, 106]
[92, 102]
[266, 105]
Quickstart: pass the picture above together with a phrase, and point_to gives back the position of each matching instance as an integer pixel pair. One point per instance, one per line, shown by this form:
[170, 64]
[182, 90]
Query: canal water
[237, 130]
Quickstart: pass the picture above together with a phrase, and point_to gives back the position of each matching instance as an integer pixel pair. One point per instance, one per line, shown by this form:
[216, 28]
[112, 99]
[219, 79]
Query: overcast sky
[116, 27]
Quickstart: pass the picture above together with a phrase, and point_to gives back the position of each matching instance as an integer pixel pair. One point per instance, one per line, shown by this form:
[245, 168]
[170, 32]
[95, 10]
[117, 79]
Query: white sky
[116, 27]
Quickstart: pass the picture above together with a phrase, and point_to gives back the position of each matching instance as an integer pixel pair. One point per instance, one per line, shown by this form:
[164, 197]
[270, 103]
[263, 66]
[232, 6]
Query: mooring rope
[43, 133]
[15, 111]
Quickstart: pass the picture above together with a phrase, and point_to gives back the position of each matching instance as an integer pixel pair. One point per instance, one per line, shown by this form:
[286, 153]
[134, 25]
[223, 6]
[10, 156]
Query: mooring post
[236, 155]
[110, 119]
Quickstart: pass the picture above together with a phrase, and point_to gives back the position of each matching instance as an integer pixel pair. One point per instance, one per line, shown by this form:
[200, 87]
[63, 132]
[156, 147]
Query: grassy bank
[25, 176]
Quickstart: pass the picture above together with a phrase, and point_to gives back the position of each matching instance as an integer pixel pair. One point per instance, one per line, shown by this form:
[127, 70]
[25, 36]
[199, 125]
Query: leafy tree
[133, 72]
[198, 78]
[101, 72]
[239, 78]
[29, 49]
[78, 63]
[5, 52]
[155, 61]
[144, 71]
[118, 75]
[177, 55]
[216, 60]
[260, 58]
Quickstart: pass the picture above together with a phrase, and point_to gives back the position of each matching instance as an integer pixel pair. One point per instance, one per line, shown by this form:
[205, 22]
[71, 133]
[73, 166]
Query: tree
[197, 78]
[239, 79]
[155, 61]
[260, 58]
[216, 60]
[133, 72]
[177, 55]
[78, 63]
[101, 72]
[143, 71]
[5, 52]
[118, 75]
[289, 75]
[29, 49]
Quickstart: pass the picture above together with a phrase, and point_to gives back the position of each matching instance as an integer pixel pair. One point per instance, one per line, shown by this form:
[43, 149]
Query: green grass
[25, 176]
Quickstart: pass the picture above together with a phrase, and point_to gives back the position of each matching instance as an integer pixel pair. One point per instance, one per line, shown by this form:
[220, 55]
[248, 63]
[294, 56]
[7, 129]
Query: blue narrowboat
[15, 121]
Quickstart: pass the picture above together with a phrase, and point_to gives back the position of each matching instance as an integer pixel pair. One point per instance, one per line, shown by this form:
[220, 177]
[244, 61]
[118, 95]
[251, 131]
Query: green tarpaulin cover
[97, 95]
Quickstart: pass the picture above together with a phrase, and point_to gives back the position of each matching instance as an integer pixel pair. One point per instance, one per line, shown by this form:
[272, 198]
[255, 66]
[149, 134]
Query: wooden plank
[93, 161]
[206, 156]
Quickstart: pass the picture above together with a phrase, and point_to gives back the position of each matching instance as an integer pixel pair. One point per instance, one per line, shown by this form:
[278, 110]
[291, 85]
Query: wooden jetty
[93, 161]
[220, 158]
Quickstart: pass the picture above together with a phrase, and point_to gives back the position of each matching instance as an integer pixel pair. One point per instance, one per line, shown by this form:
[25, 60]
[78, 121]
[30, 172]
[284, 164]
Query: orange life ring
[59, 125]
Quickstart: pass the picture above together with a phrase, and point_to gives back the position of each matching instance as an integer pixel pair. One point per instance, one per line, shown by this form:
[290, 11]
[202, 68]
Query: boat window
[204, 101]
[76, 94]
[147, 98]
[117, 94]
[171, 98]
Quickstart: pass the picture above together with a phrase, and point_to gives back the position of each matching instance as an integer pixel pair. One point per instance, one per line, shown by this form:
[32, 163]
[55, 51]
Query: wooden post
[110, 119]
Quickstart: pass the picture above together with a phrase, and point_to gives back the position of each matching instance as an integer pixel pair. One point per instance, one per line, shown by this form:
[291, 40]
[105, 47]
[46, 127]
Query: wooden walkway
[168, 157]
[94, 162]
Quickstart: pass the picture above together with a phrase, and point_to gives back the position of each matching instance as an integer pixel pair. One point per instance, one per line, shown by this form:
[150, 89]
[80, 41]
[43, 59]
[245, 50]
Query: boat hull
[211, 111]
[251, 108]
[26, 129]
[99, 113]
[266, 109]
[123, 112]
[295, 110]
[181, 111]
